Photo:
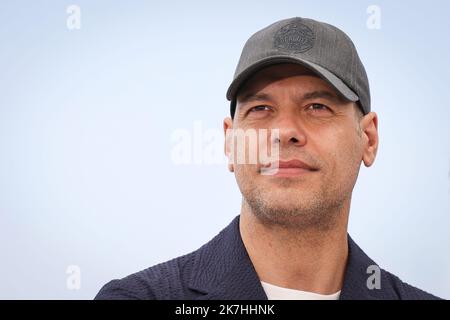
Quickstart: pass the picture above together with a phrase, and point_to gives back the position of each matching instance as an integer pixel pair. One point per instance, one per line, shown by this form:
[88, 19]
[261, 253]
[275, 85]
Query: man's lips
[287, 168]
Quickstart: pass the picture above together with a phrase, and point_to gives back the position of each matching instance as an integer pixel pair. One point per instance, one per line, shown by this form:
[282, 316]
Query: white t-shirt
[279, 293]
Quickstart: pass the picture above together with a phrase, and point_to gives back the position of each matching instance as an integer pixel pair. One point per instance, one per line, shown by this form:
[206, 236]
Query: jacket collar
[356, 276]
[222, 270]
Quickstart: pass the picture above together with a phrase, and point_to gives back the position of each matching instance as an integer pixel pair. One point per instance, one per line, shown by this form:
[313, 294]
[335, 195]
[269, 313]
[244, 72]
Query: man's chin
[288, 198]
[284, 207]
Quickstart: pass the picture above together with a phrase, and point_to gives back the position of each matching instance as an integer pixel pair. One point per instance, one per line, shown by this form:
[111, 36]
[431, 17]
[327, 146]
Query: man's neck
[309, 260]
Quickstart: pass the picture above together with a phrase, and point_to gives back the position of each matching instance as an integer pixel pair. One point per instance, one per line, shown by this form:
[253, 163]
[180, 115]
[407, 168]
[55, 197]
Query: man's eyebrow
[324, 94]
[249, 97]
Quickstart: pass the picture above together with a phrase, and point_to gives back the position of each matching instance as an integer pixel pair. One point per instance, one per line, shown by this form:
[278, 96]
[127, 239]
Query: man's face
[316, 126]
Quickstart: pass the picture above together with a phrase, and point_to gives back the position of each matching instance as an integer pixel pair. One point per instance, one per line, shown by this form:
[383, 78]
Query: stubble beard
[318, 211]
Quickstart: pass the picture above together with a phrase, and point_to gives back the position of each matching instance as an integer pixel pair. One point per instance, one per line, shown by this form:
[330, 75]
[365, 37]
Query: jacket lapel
[222, 269]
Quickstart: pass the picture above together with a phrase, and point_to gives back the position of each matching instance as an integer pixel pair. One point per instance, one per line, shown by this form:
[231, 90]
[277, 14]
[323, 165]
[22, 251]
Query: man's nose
[290, 131]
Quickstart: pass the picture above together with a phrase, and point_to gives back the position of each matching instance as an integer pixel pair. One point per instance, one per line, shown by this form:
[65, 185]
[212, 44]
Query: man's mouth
[287, 168]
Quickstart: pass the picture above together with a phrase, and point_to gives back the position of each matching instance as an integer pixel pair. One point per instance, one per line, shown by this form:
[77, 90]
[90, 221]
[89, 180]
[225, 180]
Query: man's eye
[318, 107]
[259, 108]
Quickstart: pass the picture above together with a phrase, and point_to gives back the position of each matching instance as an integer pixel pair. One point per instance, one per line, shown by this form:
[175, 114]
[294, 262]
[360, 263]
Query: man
[303, 82]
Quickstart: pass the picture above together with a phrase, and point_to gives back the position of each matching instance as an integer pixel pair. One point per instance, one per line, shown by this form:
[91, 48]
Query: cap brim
[337, 83]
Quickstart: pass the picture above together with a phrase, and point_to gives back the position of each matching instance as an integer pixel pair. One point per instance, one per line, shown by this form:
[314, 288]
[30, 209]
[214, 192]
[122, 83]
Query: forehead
[274, 73]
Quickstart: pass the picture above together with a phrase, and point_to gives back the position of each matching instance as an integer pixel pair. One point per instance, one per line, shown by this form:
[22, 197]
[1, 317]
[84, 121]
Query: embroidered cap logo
[294, 37]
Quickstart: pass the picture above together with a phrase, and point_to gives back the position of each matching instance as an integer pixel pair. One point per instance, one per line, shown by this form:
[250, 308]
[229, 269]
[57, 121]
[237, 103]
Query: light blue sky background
[86, 118]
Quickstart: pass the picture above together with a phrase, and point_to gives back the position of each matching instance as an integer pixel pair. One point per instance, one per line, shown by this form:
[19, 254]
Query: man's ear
[369, 129]
[227, 130]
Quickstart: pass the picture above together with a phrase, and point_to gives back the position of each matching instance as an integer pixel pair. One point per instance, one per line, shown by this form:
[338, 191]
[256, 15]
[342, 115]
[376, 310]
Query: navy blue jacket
[221, 269]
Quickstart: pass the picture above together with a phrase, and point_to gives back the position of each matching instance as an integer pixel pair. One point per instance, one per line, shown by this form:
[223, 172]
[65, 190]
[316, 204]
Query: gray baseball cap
[323, 48]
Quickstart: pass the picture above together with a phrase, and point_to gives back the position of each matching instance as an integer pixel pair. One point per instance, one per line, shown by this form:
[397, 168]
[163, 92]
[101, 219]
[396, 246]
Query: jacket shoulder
[405, 291]
[165, 280]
